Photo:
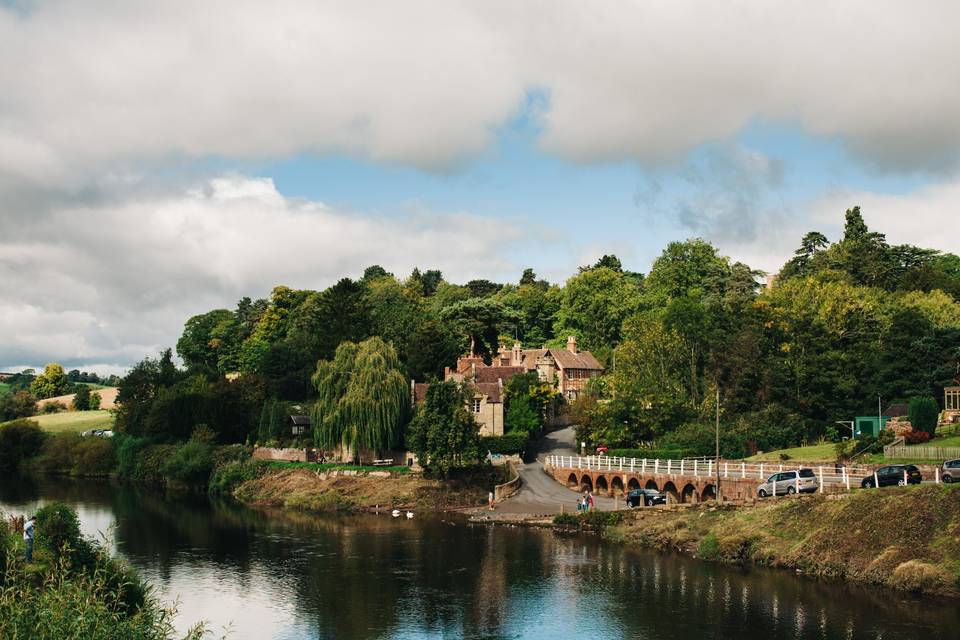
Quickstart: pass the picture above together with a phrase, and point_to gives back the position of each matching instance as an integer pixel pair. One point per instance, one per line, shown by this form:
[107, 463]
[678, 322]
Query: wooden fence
[921, 453]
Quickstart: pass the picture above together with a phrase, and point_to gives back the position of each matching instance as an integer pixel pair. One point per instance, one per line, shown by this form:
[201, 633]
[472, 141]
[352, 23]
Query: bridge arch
[632, 484]
[586, 483]
[572, 481]
[670, 490]
[652, 484]
[689, 494]
[601, 484]
[709, 493]
[617, 485]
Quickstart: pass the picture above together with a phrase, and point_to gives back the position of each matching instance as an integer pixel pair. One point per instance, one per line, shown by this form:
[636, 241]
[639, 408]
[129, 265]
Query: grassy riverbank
[304, 489]
[902, 538]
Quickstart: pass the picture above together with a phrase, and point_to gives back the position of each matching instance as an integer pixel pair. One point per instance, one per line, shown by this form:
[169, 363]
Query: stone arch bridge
[682, 481]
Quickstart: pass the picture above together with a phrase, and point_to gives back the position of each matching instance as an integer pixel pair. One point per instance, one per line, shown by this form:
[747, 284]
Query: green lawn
[949, 441]
[813, 453]
[74, 421]
[4, 387]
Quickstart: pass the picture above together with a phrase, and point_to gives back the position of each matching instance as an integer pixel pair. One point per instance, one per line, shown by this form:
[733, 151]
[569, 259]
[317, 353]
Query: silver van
[787, 483]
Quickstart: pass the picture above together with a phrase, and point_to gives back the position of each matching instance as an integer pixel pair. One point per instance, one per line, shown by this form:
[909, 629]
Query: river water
[273, 575]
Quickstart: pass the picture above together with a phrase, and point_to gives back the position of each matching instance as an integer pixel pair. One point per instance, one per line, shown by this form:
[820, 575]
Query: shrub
[77, 455]
[58, 530]
[22, 404]
[507, 444]
[916, 437]
[95, 400]
[592, 520]
[709, 547]
[924, 414]
[19, 440]
[190, 463]
[227, 477]
[53, 407]
[651, 454]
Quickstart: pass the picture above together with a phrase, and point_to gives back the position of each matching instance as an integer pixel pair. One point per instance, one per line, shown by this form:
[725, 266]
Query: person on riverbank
[490, 500]
[28, 531]
[590, 501]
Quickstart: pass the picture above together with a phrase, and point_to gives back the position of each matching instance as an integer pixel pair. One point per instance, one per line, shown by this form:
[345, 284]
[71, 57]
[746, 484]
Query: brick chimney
[517, 354]
[572, 344]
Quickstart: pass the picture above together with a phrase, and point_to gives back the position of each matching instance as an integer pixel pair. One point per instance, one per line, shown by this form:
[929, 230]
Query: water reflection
[275, 575]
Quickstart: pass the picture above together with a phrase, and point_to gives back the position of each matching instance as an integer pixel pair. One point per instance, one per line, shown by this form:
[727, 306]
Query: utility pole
[716, 461]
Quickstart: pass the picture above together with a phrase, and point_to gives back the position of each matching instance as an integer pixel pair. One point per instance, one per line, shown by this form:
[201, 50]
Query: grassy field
[74, 421]
[814, 453]
[4, 387]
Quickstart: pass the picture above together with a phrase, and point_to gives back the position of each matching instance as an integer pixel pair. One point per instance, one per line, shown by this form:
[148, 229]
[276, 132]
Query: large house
[568, 369]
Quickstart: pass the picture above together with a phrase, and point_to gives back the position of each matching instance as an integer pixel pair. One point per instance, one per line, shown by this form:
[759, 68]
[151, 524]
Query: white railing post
[821, 479]
[797, 484]
[876, 480]
[579, 462]
[743, 469]
[936, 475]
[668, 467]
[681, 466]
[726, 469]
[846, 478]
[656, 466]
[695, 470]
[710, 468]
[905, 479]
[761, 471]
[643, 468]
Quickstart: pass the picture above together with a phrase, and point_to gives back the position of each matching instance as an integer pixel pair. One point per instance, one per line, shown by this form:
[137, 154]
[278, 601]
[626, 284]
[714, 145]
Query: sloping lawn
[4, 387]
[949, 441]
[813, 453]
[74, 421]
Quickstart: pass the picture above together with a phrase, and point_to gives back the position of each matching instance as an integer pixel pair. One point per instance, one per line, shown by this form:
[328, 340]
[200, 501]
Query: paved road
[540, 493]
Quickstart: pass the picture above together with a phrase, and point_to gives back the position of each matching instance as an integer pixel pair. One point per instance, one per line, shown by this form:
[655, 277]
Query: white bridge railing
[830, 474]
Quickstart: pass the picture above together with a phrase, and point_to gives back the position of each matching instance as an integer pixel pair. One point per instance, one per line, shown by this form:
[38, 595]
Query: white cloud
[114, 280]
[427, 83]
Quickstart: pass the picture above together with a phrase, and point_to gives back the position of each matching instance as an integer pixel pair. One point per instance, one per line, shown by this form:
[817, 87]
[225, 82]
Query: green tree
[522, 417]
[479, 321]
[94, 402]
[443, 433]
[52, 382]
[201, 340]
[595, 303]
[924, 414]
[81, 399]
[19, 440]
[21, 404]
[362, 398]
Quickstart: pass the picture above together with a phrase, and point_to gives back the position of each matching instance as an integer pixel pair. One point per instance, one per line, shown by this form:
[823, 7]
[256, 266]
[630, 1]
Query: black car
[645, 497]
[894, 475]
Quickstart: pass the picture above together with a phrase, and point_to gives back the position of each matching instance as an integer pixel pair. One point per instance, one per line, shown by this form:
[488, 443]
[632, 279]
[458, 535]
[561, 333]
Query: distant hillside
[108, 398]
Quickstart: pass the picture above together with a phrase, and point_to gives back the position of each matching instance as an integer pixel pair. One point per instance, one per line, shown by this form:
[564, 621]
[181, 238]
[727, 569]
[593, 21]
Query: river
[272, 575]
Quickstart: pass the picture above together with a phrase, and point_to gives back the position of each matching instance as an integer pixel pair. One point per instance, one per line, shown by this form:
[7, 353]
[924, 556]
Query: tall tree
[595, 304]
[52, 382]
[443, 433]
[198, 346]
[362, 398]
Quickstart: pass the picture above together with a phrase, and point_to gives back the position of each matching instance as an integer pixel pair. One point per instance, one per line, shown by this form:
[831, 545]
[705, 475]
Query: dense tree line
[843, 323]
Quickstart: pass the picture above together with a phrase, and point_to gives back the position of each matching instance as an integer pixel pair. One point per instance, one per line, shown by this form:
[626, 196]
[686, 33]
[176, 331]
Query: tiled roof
[579, 360]
[897, 410]
[489, 389]
[530, 357]
[492, 374]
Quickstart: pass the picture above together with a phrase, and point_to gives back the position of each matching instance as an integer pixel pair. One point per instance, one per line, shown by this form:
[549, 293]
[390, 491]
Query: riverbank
[902, 538]
[305, 489]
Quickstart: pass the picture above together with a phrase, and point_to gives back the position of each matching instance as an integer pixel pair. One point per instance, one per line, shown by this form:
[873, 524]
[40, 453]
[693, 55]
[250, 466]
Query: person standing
[590, 501]
[28, 531]
[490, 500]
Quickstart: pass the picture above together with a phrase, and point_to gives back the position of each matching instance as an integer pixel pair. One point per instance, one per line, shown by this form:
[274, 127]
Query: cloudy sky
[159, 159]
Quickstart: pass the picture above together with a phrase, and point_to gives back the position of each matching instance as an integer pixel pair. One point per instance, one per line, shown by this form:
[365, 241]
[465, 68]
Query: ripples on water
[272, 575]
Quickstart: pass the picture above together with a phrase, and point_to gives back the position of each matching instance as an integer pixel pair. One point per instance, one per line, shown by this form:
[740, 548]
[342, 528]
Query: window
[476, 405]
[571, 395]
[807, 473]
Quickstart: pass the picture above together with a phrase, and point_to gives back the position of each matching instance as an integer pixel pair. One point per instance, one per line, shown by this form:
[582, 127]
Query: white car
[786, 483]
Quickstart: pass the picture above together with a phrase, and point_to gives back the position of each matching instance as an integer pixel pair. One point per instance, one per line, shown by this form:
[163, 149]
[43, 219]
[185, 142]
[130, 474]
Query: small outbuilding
[299, 425]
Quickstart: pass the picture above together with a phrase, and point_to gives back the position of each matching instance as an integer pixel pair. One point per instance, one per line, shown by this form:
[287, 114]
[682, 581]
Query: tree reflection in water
[281, 575]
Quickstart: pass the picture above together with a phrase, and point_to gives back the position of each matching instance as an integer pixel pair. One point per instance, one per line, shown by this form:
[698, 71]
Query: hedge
[507, 444]
[650, 454]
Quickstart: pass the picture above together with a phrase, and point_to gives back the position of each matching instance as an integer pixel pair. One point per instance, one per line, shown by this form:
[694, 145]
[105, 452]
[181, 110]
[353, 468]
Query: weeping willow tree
[363, 399]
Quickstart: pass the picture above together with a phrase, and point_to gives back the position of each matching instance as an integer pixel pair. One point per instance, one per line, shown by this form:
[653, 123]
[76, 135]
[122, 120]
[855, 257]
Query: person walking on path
[590, 501]
[490, 500]
[28, 531]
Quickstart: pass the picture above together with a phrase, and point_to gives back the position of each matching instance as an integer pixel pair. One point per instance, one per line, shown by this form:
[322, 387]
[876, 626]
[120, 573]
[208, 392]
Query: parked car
[98, 433]
[894, 475]
[645, 497]
[950, 470]
[786, 483]
[602, 449]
